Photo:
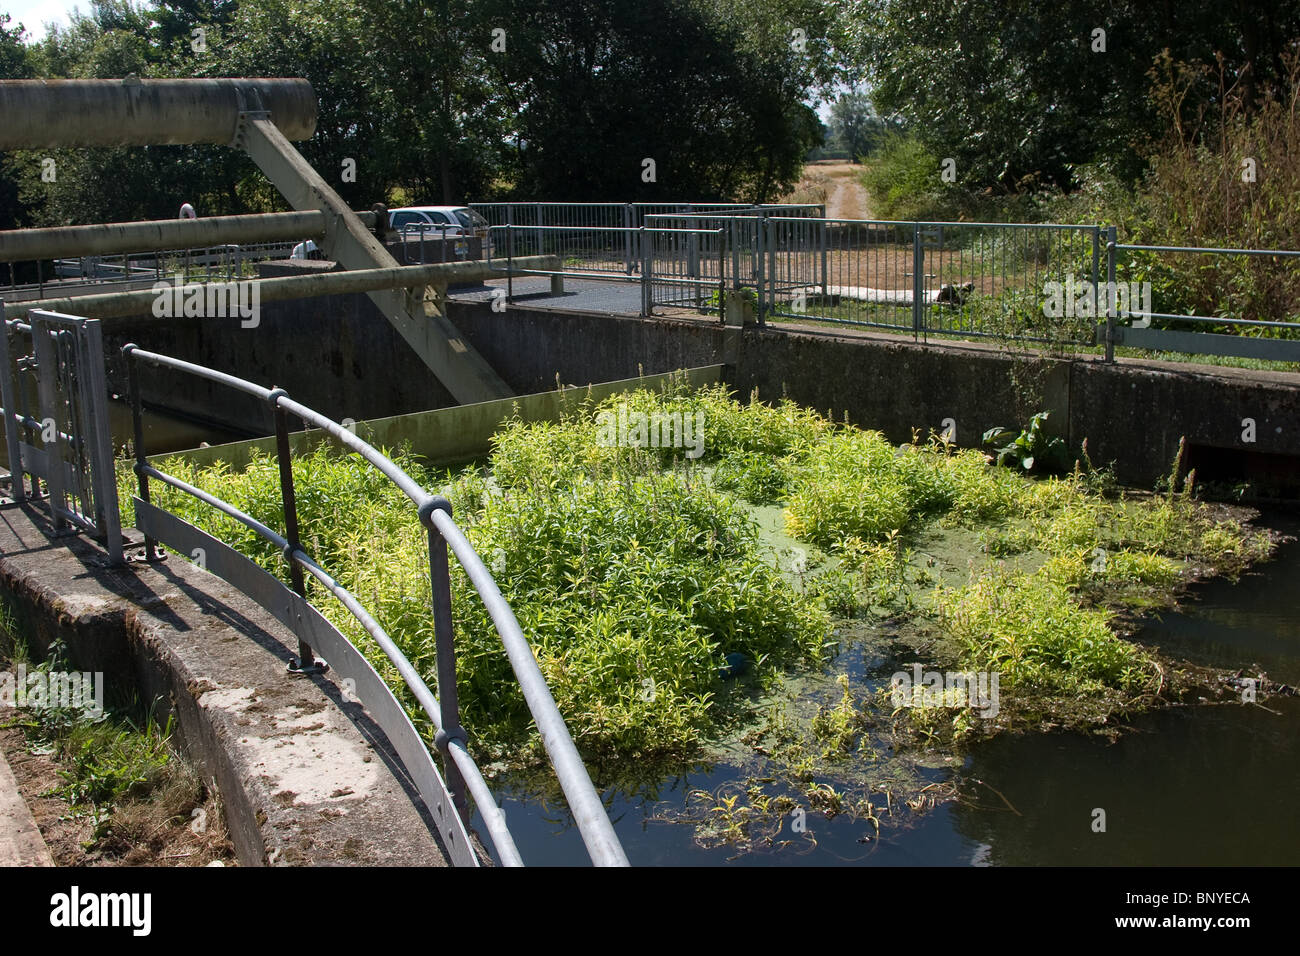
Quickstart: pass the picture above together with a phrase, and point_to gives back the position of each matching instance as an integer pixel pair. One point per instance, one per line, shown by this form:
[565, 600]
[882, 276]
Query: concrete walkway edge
[21, 843]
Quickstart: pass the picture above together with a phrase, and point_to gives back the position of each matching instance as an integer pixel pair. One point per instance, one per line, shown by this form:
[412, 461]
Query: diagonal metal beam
[435, 339]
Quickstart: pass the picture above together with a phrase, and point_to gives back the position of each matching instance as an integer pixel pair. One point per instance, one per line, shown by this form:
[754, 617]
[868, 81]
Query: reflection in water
[1208, 785]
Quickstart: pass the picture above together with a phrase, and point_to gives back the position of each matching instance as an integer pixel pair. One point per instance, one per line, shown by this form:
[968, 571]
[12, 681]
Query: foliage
[1032, 449]
[110, 757]
[638, 576]
[903, 177]
[1018, 95]
[855, 125]
[1033, 633]
[417, 95]
[633, 583]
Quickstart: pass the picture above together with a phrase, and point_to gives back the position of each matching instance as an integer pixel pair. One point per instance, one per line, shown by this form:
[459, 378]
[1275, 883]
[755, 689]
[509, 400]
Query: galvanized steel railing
[64, 439]
[434, 513]
[1142, 335]
[962, 279]
[920, 277]
[693, 262]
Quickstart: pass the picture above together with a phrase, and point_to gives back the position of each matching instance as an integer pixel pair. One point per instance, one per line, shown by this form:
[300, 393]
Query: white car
[433, 222]
[454, 221]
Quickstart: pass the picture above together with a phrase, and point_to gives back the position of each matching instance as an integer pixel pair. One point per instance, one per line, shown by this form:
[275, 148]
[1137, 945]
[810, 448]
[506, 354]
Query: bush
[903, 177]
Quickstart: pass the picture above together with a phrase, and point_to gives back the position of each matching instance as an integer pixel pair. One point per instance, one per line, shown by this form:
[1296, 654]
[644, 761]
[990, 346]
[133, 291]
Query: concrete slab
[304, 776]
[448, 436]
[21, 843]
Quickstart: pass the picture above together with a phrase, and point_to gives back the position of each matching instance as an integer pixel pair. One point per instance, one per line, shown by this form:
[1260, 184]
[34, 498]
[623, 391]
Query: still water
[1195, 785]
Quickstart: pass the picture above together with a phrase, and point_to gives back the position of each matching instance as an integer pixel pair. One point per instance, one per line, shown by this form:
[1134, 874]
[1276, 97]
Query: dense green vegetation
[641, 578]
[448, 102]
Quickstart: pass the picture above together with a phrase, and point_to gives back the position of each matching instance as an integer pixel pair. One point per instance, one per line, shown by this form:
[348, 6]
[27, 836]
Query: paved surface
[583, 295]
[20, 839]
[617, 297]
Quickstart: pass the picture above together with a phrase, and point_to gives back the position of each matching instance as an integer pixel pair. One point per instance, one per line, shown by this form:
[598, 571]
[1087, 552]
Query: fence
[1277, 340]
[692, 262]
[447, 802]
[746, 237]
[1030, 282]
[66, 368]
[929, 278]
[67, 443]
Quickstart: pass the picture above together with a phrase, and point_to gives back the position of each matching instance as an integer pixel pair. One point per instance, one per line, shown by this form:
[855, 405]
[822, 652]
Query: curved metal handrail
[435, 514]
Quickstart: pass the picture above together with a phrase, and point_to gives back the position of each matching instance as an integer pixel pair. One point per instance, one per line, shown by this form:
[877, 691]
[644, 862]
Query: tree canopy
[1018, 92]
[452, 100]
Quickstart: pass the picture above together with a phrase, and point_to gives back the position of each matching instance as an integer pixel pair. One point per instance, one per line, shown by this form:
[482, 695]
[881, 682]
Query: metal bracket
[317, 666]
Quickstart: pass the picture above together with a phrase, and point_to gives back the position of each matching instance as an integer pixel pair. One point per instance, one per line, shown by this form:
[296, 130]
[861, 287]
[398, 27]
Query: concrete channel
[294, 761]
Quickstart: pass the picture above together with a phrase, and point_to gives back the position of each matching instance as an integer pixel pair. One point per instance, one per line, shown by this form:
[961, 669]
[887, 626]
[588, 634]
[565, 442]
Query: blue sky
[33, 14]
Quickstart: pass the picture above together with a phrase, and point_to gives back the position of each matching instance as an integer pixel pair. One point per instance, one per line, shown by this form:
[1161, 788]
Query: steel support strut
[435, 339]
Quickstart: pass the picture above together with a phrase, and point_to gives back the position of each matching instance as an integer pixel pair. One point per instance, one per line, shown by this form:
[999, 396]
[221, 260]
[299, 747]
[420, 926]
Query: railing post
[771, 244]
[1111, 233]
[306, 662]
[647, 269]
[99, 441]
[448, 697]
[137, 425]
[692, 247]
[722, 272]
[824, 226]
[918, 280]
[45, 350]
[510, 262]
[629, 240]
[17, 479]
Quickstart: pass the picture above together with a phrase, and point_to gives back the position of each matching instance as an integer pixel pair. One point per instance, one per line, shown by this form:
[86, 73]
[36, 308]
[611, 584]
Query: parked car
[434, 222]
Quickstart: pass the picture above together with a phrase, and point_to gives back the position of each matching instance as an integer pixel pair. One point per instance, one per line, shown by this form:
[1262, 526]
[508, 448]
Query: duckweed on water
[635, 572]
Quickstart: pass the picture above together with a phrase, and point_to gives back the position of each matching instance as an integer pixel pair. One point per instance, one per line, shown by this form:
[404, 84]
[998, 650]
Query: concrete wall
[340, 356]
[336, 354]
[1132, 413]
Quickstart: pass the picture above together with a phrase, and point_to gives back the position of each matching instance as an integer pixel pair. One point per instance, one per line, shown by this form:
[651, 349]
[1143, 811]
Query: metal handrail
[435, 513]
[1210, 249]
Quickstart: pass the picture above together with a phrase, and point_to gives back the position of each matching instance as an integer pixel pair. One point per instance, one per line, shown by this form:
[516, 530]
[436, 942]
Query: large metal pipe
[23, 245]
[132, 112]
[118, 304]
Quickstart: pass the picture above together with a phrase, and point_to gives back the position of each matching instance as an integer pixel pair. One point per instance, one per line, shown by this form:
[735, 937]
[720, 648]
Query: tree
[666, 98]
[855, 125]
[14, 65]
[1019, 92]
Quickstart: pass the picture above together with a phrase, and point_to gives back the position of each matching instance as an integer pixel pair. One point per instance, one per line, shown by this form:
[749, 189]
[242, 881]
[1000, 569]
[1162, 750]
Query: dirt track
[847, 199]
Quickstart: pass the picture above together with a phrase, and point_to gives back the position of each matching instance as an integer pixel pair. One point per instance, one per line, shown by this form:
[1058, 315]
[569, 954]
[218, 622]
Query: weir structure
[260, 117]
[66, 448]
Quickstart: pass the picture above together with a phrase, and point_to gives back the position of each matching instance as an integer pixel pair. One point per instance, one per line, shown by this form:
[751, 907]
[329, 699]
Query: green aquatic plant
[632, 583]
[1035, 634]
[639, 575]
[1032, 448]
